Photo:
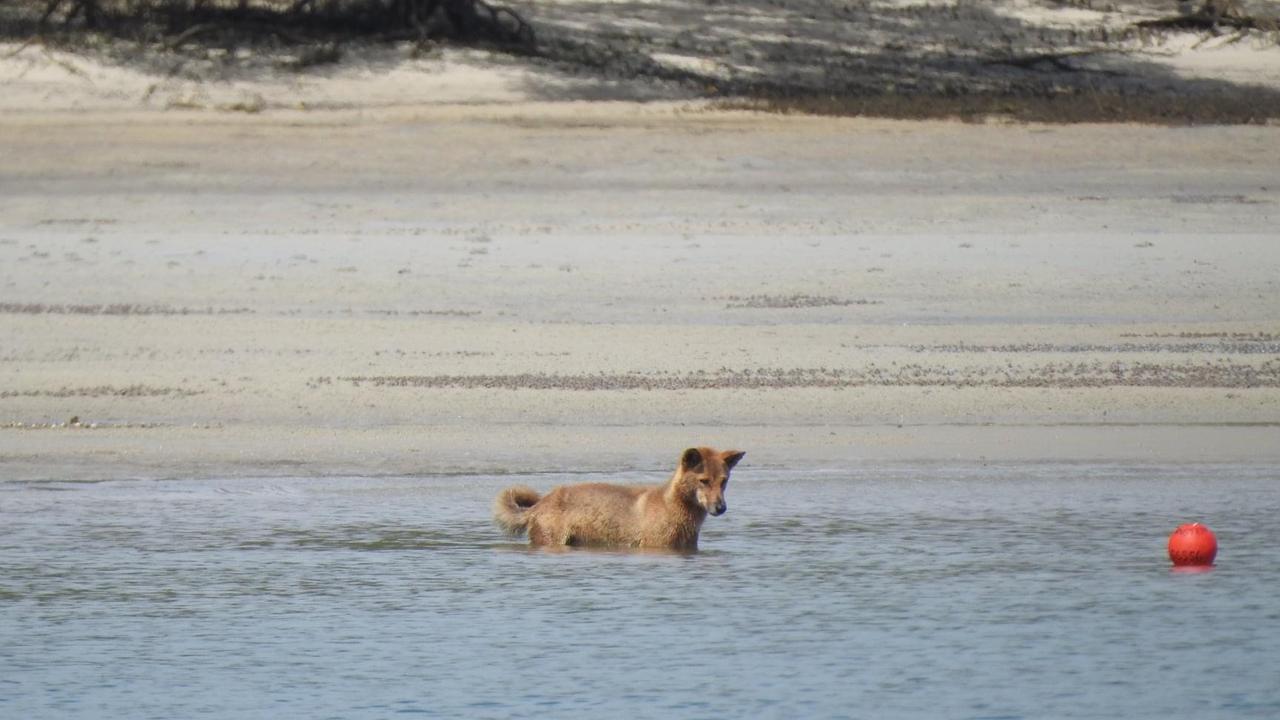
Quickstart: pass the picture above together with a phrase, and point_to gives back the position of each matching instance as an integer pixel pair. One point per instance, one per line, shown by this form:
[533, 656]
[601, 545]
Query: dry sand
[587, 287]
[526, 286]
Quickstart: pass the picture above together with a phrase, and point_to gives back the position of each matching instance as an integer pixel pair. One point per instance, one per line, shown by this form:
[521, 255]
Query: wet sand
[529, 287]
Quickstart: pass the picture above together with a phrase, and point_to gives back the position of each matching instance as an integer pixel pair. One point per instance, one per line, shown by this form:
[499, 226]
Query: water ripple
[916, 591]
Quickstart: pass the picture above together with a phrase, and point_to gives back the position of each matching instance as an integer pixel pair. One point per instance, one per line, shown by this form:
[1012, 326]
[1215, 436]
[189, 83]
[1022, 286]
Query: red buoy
[1192, 545]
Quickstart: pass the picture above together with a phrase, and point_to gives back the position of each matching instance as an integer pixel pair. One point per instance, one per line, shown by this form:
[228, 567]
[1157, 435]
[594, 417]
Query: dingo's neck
[680, 495]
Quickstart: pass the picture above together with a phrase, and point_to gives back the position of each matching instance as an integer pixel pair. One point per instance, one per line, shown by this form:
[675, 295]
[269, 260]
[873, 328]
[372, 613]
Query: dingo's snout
[719, 508]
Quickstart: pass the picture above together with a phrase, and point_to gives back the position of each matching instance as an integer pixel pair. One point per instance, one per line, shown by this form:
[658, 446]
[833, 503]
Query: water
[1025, 591]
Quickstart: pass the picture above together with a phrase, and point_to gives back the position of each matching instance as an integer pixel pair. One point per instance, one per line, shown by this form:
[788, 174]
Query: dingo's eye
[705, 481]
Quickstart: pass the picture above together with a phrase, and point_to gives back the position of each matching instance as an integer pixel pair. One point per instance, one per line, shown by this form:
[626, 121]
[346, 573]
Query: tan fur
[667, 516]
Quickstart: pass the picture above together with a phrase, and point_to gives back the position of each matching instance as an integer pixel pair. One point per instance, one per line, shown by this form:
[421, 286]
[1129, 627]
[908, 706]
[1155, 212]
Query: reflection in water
[902, 591]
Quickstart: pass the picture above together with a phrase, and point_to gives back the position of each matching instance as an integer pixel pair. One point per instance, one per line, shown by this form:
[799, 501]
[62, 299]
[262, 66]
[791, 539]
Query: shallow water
[1026, 591]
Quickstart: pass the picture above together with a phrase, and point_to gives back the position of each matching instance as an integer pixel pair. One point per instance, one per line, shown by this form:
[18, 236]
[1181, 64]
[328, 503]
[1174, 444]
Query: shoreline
[178, 453]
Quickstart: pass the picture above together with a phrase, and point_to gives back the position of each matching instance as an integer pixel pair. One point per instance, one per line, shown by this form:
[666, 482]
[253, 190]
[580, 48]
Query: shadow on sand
[1048, 61]
[899, 59]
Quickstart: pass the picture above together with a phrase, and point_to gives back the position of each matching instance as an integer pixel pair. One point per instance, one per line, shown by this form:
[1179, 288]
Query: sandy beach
[435, 260]
[989, 294]
[551, 286]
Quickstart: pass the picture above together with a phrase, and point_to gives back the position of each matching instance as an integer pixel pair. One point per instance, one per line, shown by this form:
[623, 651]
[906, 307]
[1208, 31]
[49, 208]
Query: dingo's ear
[691, 461]
[731, 457]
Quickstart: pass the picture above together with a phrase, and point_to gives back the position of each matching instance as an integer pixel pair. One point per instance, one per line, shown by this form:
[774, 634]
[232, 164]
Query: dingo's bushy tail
[511, 508]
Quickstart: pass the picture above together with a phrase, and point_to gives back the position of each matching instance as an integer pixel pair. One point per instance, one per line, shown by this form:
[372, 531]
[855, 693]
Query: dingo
[663, 516]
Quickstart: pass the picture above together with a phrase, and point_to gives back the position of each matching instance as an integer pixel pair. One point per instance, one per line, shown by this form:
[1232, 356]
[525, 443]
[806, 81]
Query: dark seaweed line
[114, 309]
[1241, 336]
[790, 302]
[102, 391]
[1219, 348]
[1067, 375]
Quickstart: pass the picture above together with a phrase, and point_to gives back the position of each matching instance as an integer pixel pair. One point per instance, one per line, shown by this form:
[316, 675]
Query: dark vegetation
[961, 58]
[1215, 16]
[175, 23]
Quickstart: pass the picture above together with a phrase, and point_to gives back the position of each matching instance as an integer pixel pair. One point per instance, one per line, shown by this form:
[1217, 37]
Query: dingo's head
[706, 473]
